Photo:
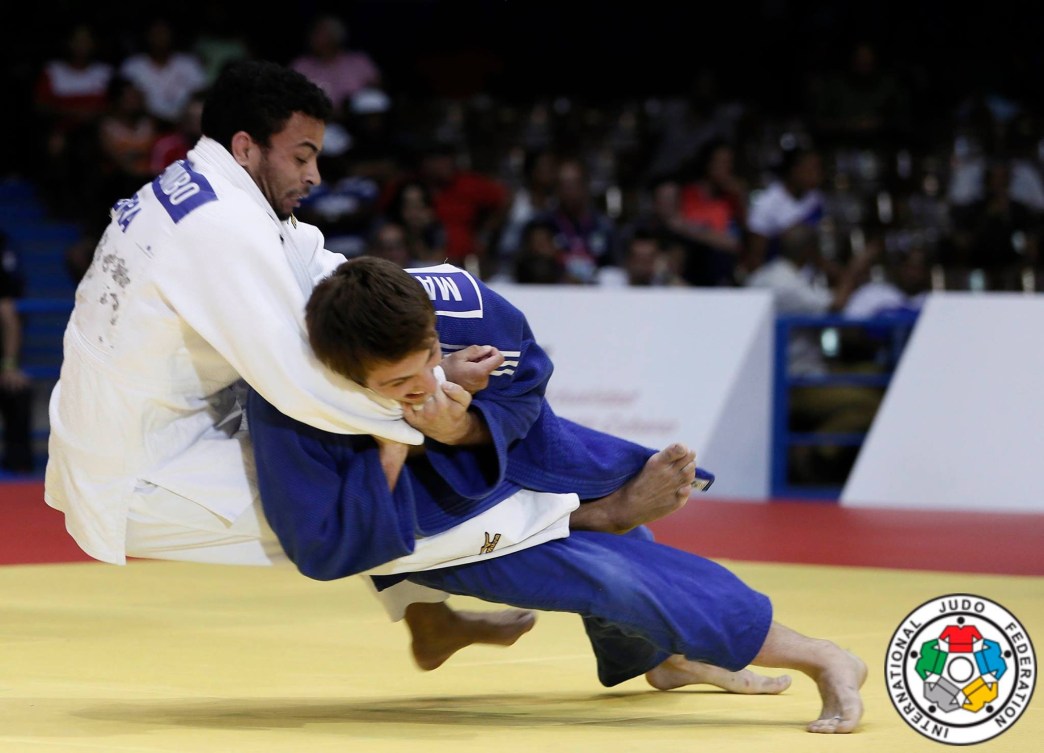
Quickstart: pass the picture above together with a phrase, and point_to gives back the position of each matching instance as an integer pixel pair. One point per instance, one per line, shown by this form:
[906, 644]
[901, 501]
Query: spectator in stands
[126, 136]
[175, 145]
[684, 122]
[712, 201]
[899, 294]
[345, 206]
[587, 236]
[538, 260]
[378, 146]
[388, 241]
[983, 136]
[469, 204]
[70, 94]
[360, 156]
[532, 196]
[16, 397]
[71, 90]
[906, 283]
[681, 128]
[694, 243]
[803, 284]
[411, 206]
[329, 61]
[220, 40]
[996, 235]
[861, 104]
[647, 262]
[167, 74]
[968, 180]
[792, 198]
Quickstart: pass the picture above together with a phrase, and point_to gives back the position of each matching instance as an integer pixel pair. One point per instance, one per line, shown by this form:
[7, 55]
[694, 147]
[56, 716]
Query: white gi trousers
[164, 525]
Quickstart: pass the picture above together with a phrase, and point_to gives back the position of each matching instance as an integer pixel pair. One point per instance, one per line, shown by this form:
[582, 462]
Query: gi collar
[219, 160]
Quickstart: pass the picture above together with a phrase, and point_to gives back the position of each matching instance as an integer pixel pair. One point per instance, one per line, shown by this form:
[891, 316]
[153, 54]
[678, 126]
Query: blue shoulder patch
[453, 292]
[180, 189]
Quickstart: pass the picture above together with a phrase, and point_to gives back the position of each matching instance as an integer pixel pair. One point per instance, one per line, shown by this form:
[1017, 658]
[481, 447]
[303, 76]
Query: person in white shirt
[803, 283]
[906, 283]
[167, 75]
[793, 199]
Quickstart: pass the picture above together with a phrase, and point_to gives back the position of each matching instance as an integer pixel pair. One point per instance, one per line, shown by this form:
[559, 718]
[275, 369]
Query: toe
[825, 726]
[675, 451]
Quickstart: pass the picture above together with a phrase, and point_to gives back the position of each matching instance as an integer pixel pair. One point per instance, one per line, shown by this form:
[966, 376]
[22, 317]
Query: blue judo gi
[327, 499]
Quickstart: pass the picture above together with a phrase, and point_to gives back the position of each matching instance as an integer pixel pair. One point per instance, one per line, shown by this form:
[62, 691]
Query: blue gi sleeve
[509, 405]
[326, 496]
[560, 455]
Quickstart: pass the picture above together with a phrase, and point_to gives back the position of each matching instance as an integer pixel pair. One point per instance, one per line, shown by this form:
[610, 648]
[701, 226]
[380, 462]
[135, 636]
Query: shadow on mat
[649, 709]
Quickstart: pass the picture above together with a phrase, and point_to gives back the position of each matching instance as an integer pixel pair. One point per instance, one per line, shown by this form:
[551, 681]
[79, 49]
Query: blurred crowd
[694, 189]
[850, 201]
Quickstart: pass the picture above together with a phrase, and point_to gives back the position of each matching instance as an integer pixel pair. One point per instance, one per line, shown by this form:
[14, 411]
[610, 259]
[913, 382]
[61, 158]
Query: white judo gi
[195, 288]
[195, 285]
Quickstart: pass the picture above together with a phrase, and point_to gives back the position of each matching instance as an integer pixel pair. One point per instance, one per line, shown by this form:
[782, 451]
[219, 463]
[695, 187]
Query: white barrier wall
[962, 424]
[658, 365]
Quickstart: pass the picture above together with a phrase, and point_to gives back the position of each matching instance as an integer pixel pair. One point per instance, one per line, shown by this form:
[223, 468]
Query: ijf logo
[960, 669]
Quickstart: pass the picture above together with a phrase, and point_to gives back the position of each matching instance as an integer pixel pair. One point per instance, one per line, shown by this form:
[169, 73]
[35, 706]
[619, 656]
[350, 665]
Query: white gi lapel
[296, 256]
[218, 158]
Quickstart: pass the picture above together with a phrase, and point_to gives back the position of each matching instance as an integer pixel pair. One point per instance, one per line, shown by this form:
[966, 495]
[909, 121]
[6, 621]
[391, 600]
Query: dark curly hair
[259, 97]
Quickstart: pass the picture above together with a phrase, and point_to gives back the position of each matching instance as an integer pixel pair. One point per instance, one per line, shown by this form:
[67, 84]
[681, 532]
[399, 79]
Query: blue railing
[43, 321]
[43, 324]
[891, 332]
[44, 305]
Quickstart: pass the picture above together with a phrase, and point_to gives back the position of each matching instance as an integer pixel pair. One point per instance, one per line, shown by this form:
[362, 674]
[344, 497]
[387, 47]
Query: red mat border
[821, 533]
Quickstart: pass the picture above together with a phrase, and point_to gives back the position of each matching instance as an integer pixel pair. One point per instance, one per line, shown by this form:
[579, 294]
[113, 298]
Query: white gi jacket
[194, 285]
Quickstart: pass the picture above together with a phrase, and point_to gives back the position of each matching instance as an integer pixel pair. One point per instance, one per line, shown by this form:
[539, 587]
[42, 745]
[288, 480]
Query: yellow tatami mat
[182, 658]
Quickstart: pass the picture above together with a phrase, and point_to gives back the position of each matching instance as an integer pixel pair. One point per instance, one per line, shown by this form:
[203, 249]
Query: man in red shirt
[471, 205]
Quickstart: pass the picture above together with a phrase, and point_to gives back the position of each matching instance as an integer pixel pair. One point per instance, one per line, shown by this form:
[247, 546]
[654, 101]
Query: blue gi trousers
[640, 601]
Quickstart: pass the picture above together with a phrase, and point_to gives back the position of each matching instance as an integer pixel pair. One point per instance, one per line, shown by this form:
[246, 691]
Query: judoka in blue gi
[342, 505]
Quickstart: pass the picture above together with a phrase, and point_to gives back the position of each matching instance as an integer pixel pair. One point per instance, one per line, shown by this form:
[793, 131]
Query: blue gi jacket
[327, 498]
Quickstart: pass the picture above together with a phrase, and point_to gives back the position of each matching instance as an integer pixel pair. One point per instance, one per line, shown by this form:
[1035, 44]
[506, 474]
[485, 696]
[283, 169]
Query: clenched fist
[472, 366]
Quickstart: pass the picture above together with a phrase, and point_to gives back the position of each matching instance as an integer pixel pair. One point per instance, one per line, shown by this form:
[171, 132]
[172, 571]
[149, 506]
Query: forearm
[11, 332]
[472, 431]
[708, 236]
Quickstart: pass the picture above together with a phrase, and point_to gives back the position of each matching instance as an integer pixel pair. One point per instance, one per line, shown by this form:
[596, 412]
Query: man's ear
[243, 147]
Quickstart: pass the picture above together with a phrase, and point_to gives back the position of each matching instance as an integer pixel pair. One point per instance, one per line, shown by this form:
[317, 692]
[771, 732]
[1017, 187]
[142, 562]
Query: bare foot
[677, 671]
[839, 683]
[662, 486]
[438, 632]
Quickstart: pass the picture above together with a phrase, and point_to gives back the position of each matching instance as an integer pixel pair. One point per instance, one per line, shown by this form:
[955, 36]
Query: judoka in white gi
[198, 286]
